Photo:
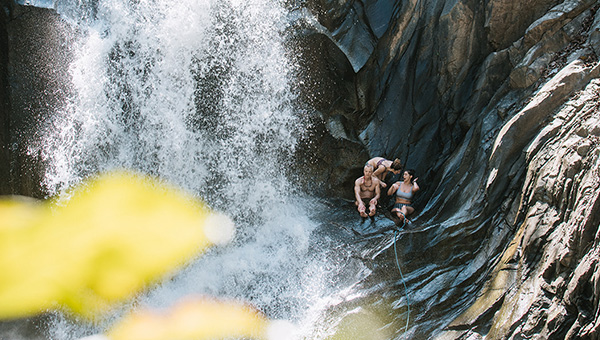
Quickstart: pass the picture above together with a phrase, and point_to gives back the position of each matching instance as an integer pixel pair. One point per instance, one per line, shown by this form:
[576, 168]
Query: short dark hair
[396, 164]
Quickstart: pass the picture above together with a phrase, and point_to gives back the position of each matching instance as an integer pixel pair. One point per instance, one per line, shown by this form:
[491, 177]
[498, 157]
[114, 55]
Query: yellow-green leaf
[114, 236]
[194, 319]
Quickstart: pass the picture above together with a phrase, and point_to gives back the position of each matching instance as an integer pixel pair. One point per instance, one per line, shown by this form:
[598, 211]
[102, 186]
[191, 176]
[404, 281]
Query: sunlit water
[200, 94]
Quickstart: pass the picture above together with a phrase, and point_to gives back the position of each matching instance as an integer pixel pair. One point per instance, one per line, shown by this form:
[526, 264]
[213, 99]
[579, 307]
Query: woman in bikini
[382, 166]
[367, 192]
[405, 191]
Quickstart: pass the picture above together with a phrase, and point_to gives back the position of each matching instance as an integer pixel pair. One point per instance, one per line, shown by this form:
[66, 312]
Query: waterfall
[199, 94]
[193, 92]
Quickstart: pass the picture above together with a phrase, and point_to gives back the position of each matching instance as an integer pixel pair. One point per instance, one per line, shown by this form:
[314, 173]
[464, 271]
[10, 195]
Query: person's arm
[393, 189]
[380, 169]
[415, 185]
[377, 190]
[357, 192]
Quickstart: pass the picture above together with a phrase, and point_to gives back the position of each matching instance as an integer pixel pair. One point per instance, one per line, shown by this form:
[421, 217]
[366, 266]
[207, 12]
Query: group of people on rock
[383, 174]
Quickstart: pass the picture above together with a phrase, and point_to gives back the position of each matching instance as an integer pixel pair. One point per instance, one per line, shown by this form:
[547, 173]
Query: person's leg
[372, 209]
[405, 211]
[361, 209]
[397, 211]
[400, 216]
[401, 212]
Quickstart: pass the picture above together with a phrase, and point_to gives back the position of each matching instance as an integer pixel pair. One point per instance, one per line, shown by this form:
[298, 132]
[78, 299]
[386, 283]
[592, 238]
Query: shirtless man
[367, 191]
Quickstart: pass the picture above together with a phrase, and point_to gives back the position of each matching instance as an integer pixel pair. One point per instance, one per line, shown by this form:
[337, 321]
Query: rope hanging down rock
[401, 275]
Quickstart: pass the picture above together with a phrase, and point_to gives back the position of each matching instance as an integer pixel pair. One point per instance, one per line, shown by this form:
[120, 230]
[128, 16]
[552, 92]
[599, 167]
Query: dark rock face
[495, 105]
[438, 65]
[543, 285]
[35, 62]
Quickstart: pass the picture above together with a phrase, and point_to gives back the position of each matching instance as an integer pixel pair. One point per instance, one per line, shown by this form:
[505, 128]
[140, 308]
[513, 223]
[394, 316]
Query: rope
[402, 276]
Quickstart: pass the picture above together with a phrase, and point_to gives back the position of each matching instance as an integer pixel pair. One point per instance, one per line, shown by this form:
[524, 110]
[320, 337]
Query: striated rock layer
[496, 106]
[546, 283]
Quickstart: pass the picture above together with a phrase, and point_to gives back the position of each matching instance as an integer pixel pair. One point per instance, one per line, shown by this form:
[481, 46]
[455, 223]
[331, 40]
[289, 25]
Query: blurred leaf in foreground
[117, 234]
[194, 319]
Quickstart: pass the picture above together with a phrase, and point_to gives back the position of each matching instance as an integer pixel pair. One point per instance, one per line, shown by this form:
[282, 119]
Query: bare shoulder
[359, 180]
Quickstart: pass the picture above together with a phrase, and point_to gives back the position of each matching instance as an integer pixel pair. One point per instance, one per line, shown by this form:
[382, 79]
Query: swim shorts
[398, 206]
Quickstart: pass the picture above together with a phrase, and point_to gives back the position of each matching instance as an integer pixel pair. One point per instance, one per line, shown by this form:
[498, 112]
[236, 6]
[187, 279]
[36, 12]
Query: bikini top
[405, 195]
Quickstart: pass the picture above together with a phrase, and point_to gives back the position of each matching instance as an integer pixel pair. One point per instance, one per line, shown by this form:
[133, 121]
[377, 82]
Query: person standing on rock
[405, 191]
[367, 192]
[382, 167]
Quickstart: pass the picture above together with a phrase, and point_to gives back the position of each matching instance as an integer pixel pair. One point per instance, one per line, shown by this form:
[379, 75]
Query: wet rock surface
[494, 104]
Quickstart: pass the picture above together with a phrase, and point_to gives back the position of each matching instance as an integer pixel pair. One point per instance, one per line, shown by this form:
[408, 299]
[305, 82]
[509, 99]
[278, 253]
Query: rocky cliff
[496, 105]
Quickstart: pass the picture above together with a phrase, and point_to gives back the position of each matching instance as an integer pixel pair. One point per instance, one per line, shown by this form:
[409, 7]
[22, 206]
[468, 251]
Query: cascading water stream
[197, 93]
[182, 91]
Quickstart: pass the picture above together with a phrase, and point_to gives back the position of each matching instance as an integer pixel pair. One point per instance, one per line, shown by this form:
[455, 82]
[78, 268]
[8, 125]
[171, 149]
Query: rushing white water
[198, 93]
